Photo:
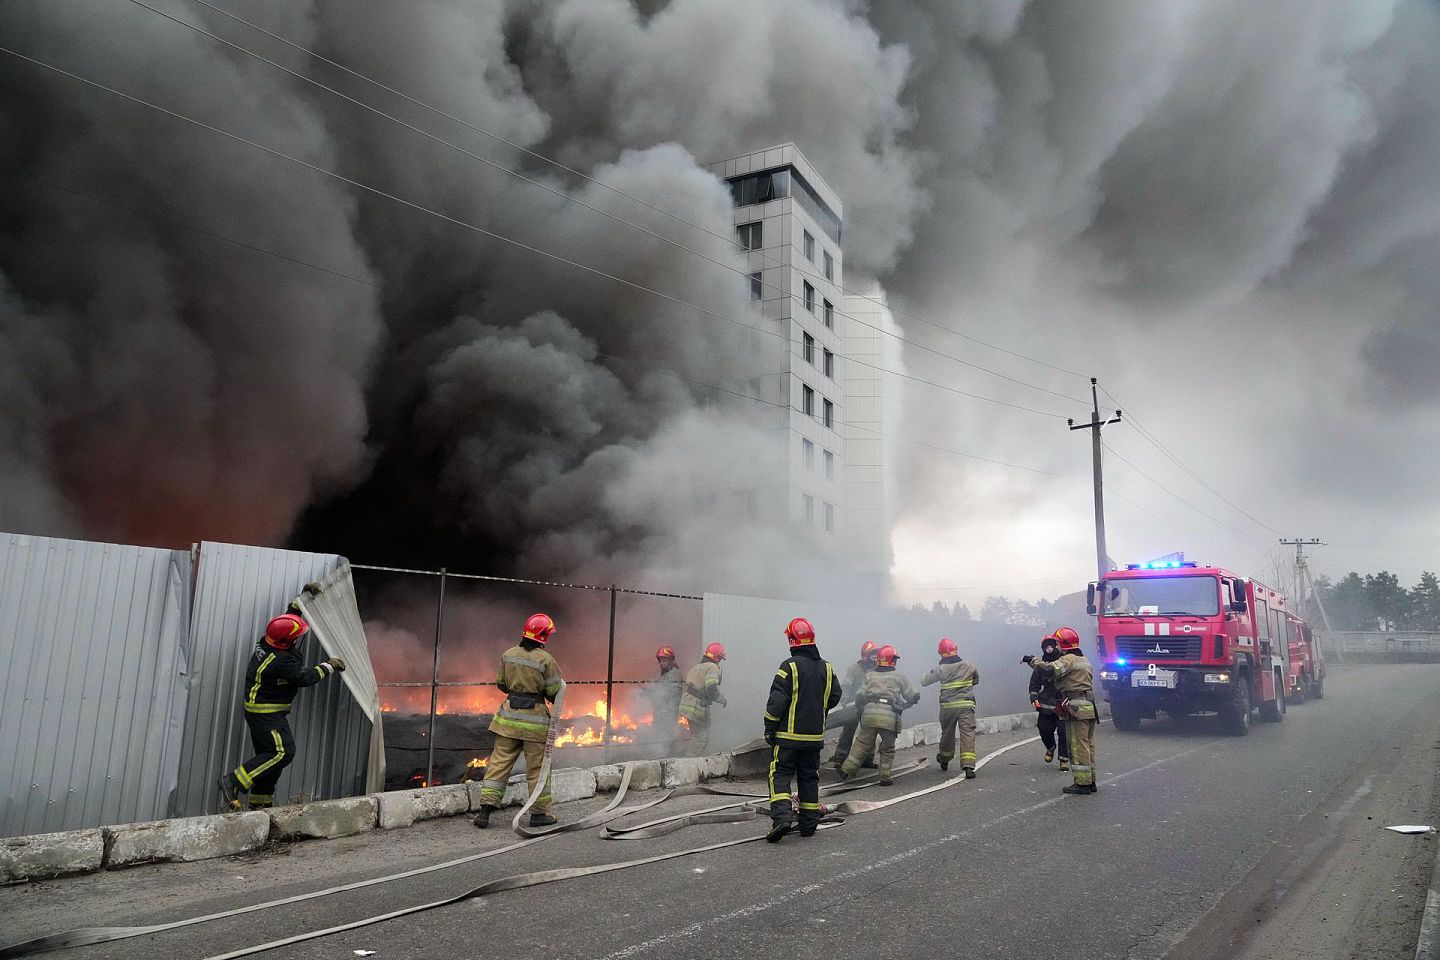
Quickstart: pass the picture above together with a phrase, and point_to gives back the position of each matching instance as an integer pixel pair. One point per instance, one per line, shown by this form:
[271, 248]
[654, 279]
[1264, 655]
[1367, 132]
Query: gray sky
[1227, 211]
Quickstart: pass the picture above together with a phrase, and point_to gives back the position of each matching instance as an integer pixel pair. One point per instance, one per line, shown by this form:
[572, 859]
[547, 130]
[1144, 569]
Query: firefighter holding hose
[854, 680]
[1075, 688]
[275, 675]
[882, 699]
[530, 679]
[803, 691]
[702, 691]
[958, 679]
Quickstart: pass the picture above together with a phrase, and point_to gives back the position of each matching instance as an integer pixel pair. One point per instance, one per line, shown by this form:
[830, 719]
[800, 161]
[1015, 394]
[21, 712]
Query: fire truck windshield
[1162, 596]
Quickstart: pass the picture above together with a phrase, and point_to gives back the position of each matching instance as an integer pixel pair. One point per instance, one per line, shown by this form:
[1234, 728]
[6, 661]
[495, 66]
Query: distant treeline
[1021, 613]
[1377, 601]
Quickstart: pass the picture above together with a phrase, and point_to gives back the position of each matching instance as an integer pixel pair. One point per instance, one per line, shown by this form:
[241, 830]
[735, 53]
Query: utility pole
[1303, 578]
[1102, 556]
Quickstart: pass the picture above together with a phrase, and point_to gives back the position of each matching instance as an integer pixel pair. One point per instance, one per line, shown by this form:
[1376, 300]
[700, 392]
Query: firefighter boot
[482, 819]
[1050, 755]
[780, 824]
[1064, 764]
[230, 791]
[542, 820]
[1079, 788]
[969, 773]
[944, 762]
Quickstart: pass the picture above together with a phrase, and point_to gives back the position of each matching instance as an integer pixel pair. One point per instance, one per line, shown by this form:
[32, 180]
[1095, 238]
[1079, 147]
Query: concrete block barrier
[715, 766]
[679, 771]
[186, 838]
[51, 854]
[442, 801]
[396, 808]
[927, 733]
[905, 738]
[324, 819]
[607, 778]
[572, 784]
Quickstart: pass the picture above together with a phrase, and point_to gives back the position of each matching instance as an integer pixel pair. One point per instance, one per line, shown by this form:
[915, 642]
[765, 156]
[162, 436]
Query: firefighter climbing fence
[436, 635]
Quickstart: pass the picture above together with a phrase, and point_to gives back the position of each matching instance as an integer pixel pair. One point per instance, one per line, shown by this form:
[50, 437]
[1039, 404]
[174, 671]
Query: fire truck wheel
[1302, 690]
[1124, 716]
[1236, 715]
[1317, 689]
[1274, 711]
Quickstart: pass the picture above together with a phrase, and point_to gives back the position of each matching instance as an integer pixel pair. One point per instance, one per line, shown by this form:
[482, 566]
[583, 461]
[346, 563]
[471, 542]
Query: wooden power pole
[1102, 555]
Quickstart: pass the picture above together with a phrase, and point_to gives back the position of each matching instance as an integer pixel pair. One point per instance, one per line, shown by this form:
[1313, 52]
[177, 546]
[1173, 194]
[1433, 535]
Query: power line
[1155, 441]
[488, 233]
[1181, 499]
[730, 240]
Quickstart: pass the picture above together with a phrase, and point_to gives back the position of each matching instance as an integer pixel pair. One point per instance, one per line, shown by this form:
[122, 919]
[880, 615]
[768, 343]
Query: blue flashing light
[1121, 662]
[1161, 565]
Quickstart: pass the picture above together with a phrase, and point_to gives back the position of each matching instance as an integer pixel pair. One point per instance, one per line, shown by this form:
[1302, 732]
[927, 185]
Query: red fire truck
[1179, 638]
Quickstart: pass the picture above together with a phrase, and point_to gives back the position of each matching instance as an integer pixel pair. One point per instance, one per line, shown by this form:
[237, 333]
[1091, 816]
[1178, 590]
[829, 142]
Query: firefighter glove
[1027, 659]
[770, 737]
[337, 664]
[722, 701]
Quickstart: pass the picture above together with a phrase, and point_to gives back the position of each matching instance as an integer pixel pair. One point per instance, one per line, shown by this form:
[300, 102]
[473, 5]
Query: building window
[757, 287]
[807, 401]
[809, 247]
[829, 314]
[810, 297]
[809, 502]
[829, 464]
[809, 451]
[829, 413]
[829, 518]
[829, 364]
[808, 347]
[752, 235]
[760, 187]
[829, 266]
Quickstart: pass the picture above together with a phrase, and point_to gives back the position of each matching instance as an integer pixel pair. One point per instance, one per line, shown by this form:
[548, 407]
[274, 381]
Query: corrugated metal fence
[92, 699]
[119, 696]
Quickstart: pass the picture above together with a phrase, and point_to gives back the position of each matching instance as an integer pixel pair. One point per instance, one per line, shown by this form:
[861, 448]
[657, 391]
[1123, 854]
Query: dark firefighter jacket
[803, 691]
[275, 676]
[1042, 685]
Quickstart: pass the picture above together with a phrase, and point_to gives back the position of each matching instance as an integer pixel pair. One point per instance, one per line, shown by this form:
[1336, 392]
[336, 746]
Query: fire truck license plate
[1164, 679]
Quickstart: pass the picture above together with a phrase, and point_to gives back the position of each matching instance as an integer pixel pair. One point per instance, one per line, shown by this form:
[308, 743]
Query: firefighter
[702, 691]
[276, 673]
[883, 697]
[1075, 704]
[664, 695]
[530, 679]
[803, 691]
[958, 679]
[854, 680]
[1044, 697]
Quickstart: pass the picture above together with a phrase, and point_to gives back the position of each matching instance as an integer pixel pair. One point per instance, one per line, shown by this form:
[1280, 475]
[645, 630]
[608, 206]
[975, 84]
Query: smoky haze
[1227, 210]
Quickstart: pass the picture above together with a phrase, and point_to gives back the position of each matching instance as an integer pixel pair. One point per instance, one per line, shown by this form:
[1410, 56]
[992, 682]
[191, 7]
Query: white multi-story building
[788, 221]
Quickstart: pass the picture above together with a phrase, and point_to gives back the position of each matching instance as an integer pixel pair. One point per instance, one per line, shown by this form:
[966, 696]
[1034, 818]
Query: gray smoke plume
[1224, 208]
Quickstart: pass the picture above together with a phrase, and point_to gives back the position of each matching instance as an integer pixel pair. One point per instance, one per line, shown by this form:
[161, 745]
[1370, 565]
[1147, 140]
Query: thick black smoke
[1235, 196]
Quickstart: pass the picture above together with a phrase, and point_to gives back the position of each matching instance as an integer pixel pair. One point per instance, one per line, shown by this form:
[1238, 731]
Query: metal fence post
[610, 673]
[435, 682]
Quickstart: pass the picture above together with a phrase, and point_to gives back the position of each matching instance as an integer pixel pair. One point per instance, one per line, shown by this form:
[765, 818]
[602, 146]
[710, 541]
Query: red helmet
[800, 633]
[867, 649]
[538, 627]
[887, 656]
[1067, 639]
[282, 632]
[947, 647]
[715, 652]
[666, 652]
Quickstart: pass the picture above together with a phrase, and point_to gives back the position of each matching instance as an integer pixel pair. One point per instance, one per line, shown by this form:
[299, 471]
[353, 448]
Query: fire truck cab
[1180, 638]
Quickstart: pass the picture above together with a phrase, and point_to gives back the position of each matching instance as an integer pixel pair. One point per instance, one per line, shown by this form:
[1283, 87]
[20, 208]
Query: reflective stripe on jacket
[273, 677]
[803, 691]
[884, 695]
[532, 676]
[958, 680]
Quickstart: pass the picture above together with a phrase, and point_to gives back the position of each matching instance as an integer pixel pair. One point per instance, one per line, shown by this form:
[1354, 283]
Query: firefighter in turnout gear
[884, 696]
[275, 675]
[854, 680]
[803, 691]
[1075, 688]
[958, 679]
[702, 691]
[1044, 697]
[664, 696]
[530, 679]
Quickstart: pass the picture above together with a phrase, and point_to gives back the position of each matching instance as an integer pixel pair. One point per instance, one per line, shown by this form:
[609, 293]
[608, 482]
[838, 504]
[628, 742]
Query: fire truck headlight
[1109, 675]
[1217, 678]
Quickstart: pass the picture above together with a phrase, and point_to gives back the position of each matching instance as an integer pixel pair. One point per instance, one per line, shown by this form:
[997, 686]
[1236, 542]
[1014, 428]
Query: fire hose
[730, 812]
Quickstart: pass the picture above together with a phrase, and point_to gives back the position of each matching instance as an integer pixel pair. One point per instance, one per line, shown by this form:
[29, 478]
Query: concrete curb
[1427, 947]
[47, 855]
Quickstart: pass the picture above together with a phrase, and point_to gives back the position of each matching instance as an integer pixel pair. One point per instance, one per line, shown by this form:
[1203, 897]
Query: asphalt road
[1186, 845]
